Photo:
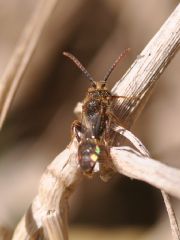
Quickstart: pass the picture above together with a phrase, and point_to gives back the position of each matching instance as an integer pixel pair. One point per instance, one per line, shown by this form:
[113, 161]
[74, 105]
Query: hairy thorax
[95, 109]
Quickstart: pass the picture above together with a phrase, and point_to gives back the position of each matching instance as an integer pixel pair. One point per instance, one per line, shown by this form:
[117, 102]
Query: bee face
[97, 87]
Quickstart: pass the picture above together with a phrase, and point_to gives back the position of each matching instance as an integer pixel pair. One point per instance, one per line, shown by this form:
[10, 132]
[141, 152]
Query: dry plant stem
[130, 163]
[145, 71]
[172, 216]
[142, 149]
[147, 68]
[22, 55]
[47, 210]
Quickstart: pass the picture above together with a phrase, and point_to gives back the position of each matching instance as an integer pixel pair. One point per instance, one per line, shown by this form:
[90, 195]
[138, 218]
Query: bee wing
[94, 123]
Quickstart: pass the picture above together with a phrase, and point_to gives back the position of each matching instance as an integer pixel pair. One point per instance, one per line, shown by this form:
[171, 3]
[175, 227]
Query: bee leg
[133, 139]
[114, 119]
[117, 127]
[126, 97]
[76, 129]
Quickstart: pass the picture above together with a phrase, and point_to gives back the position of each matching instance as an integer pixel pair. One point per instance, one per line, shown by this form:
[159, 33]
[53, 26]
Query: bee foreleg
[76, 129]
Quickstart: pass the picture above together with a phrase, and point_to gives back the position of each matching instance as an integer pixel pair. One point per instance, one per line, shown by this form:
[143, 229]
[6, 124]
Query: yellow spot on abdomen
[94, 157]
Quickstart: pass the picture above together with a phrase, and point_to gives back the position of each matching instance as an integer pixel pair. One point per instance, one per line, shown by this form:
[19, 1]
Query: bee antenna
[121, 56]
[80, 66]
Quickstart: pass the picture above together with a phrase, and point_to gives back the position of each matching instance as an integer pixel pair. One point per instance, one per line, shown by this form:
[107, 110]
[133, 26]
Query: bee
[92, 131]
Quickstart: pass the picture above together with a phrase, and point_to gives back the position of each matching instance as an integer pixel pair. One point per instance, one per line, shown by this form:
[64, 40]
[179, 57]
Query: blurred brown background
[38, 124]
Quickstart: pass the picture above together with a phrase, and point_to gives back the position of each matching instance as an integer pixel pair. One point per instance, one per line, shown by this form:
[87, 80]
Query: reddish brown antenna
[80, 66]
[121, 56]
